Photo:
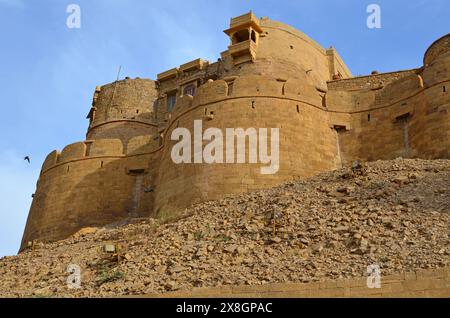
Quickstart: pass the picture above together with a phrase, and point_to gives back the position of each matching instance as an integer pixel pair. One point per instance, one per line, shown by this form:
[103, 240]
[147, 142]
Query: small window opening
[189, 90]
[101, 164]
[340, 128]
[298, 109]
[230, 88]
[444, 89]
[368, 117]
[87, 151]
[253, 104]
[171, 101]
[136, 171]
[253, 36]
[137, 111]
[402, 118]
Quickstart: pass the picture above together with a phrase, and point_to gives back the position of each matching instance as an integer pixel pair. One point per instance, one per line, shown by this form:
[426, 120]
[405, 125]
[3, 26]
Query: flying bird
[27, 158]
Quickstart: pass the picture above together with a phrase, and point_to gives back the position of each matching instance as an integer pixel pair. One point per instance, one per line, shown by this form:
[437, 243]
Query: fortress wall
[50, 160]
[432, 139]
[340, 66]
[438, 71]
[250, 86]
[106, 147]
[363, 101]
[439, 48]
[123, 130]
[143, 144]
[297, 89]
[126, 100]
[75, 150]
[421, 283]
[303, 128]
[210, 92]
[430, 128]
[291, 53]
[369, 81]
[78, 191]
[339, 101]
[408, 117]
[399, 90]
[378, 129]
[125, 169]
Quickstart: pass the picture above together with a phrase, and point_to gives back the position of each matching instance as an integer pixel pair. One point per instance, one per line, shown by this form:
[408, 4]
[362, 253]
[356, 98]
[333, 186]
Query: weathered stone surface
[314, 241]
[271, 76]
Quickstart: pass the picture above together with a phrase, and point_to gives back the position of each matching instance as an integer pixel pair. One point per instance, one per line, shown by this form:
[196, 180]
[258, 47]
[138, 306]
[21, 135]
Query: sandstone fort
[271, 76]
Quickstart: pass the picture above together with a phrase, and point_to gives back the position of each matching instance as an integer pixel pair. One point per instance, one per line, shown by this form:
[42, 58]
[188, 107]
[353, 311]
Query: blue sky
[49, 72]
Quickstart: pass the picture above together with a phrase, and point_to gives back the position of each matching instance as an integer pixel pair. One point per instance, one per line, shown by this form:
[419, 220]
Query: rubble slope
[394, 214]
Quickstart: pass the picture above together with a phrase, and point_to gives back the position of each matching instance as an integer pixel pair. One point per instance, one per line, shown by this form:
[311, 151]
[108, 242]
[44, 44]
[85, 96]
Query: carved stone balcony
[243, 52]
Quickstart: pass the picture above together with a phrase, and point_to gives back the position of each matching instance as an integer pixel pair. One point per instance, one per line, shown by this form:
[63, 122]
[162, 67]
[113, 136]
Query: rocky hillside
[391, 213]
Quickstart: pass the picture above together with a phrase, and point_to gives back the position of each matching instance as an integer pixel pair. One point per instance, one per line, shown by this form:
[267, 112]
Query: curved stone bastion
[271, 76]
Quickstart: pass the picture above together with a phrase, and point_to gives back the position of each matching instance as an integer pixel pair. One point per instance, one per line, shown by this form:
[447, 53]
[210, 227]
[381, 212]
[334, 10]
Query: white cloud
[18, 182]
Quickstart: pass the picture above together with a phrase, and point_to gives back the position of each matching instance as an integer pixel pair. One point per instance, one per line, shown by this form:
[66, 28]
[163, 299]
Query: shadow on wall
[92, 192]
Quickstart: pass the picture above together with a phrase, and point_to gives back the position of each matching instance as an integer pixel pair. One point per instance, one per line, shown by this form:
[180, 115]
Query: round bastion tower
[271, 76]
[122, 110]
[434, 139]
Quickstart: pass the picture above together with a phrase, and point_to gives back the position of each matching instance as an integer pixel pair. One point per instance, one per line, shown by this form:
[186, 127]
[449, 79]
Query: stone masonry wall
[424, 283]
[122, 110]
[92, 183]
[408, 117]
[307, 144]
[125, 170]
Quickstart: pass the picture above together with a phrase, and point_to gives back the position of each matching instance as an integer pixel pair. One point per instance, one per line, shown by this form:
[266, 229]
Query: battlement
[374, 81]
[102, 148]
[195, 65]
[250, 86]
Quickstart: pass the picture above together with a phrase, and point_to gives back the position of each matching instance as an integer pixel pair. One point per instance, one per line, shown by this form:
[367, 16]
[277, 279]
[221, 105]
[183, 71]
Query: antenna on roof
[118, 73]
[115, 86]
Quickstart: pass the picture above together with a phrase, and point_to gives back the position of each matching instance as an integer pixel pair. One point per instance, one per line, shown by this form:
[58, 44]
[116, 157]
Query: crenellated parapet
[250, 86]
[102, 149]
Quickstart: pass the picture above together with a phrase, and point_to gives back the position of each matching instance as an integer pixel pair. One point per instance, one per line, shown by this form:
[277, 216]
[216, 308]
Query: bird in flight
[27, 158]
